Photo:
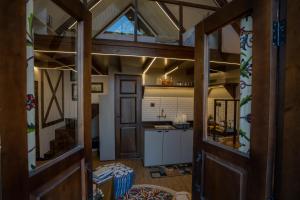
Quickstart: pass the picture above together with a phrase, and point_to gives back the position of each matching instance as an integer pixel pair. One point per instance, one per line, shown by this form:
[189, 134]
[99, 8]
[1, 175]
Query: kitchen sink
[164, 127]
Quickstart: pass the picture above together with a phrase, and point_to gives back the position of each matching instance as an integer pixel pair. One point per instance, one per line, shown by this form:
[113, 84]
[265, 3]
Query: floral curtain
[246, 37]
[30, 99]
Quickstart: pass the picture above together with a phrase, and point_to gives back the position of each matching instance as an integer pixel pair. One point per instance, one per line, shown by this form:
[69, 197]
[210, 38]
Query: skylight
[124, 25]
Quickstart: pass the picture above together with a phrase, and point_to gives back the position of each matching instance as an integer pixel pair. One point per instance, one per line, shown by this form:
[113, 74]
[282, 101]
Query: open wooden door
[66, 173]
[234, 160]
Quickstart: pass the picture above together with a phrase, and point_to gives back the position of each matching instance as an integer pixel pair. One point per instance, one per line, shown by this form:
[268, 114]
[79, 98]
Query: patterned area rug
[170, 170]
[149, 192]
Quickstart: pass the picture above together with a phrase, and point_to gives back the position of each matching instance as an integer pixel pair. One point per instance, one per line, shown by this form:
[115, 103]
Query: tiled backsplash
[172, 106]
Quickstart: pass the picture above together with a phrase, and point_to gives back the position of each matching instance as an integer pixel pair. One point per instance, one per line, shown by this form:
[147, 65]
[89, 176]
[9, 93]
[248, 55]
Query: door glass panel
[230, 85]
[52, 88]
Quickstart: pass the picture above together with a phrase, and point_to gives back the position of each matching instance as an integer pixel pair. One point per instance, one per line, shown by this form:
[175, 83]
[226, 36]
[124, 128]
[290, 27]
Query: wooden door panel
[67, 183]
[128, 140]
[128, 86]
[128, 103]
[128, 110]
[222, 180]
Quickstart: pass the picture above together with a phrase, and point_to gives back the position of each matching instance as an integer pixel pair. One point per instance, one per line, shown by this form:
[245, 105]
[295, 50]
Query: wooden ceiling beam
[70, 21]
[188, 4]
[235, 25]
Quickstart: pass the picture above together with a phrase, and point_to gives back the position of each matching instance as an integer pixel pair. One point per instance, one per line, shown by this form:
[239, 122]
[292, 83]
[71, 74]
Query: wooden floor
[177, 183]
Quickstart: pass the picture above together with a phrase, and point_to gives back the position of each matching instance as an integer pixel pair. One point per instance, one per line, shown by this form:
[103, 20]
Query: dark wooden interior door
[128, 98]
[222, 172]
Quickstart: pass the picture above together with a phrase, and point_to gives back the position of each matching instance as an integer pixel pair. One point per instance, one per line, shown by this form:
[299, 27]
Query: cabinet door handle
[167, 131]
[159, 131]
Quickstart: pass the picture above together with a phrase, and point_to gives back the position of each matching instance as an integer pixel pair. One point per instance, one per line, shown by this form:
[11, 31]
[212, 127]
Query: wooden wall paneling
[13, 131]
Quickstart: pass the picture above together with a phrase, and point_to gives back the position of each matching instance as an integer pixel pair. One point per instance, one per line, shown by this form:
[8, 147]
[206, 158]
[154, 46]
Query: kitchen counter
[151, 125]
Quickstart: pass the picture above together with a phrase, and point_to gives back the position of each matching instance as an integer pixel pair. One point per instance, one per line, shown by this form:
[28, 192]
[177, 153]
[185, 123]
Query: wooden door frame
[14, 167]
[263, 104]
[14, 158]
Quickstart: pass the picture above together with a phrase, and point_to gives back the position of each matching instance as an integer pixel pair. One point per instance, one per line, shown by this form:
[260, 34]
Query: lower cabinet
[168, 147]
[153, 153]
[187, 146]
[171, 147]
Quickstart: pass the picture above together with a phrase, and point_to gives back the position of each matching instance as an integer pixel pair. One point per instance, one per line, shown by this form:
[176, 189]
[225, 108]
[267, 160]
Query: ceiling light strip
[225, 63]
[50, 51]
[171, 71]
[94, 6]
[149, 66]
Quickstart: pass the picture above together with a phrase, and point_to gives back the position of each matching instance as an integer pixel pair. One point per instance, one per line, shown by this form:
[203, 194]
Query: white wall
[230, 40]
[47, 134]
[107, 119]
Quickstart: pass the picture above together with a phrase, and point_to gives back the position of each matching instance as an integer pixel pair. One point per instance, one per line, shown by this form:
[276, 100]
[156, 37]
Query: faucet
[162, 114]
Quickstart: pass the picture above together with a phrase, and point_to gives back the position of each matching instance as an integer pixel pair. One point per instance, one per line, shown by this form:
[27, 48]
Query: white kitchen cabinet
[171, 147]
[168, 147]
[186, 146]
[153, 148]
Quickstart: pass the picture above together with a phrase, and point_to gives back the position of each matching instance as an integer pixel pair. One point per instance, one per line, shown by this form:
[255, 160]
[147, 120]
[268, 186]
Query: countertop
[150, 126]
